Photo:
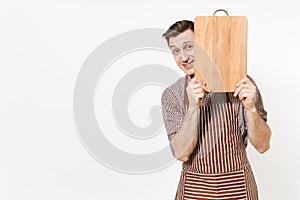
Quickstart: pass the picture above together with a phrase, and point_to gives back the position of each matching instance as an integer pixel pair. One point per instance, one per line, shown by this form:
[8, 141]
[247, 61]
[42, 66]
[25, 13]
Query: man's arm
[185, 140]
[259, 132]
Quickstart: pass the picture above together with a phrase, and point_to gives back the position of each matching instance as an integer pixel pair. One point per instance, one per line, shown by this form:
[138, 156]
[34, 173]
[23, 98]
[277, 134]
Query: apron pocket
[229, 185]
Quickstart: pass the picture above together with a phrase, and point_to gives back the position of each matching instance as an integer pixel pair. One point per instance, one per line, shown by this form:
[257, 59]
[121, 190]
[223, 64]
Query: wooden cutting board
[220, 51]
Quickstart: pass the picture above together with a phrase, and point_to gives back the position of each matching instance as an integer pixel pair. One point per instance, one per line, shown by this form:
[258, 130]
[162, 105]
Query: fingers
[196, 83]
[244, 80]
[243, 89]
[200, 95]
[238, 90]
[199, 87]
[243, 85]
[246, 93]
[196, 90]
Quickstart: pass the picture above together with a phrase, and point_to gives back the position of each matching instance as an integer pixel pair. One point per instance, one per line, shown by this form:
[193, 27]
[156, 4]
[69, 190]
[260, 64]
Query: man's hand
[258, 131]
[196, 91]
[246, 91]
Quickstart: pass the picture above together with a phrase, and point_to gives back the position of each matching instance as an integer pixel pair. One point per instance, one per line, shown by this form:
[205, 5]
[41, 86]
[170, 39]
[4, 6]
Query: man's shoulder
[176, 89]
[177, 86]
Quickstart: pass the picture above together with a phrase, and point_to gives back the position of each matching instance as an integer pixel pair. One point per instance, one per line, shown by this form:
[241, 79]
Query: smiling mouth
[189, 64]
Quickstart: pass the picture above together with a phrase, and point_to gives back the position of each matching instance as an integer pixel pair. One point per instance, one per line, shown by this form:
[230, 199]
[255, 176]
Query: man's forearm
[258, 130]
[186, 138]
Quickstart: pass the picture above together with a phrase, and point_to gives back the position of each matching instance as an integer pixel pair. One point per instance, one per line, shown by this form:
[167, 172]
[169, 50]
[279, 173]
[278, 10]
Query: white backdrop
[43, 46]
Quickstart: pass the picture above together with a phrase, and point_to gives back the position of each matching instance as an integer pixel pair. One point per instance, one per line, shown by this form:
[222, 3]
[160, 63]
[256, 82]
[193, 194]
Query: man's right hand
[196, 91]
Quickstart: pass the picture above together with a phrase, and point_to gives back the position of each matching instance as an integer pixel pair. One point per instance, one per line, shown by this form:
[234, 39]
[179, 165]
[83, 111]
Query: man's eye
[176, 51]
[190, 46]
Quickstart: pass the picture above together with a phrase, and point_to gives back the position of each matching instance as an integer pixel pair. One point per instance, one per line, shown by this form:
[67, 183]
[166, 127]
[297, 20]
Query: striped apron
[218, 168]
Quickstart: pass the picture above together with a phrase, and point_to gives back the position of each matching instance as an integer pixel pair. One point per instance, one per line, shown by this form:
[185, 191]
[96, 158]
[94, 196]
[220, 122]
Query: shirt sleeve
[259, 102]
[171, 112]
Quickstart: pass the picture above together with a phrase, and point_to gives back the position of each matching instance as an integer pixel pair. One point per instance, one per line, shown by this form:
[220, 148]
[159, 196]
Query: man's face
[182, 48]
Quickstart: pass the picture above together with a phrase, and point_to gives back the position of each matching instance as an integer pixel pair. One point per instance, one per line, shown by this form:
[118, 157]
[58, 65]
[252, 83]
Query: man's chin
[189, 71]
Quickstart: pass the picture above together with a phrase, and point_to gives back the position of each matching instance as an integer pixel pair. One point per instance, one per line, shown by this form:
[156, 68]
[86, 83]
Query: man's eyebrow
[188, 42]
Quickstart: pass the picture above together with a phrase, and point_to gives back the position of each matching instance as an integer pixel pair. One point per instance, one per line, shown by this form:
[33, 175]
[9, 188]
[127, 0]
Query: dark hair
[177, 28]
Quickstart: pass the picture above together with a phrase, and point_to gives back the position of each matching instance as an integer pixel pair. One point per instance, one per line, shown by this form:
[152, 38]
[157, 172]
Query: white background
[43, 45]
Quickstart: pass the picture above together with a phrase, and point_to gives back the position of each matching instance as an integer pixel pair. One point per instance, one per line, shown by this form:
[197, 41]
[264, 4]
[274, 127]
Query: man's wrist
[193, 108]
[251, 111]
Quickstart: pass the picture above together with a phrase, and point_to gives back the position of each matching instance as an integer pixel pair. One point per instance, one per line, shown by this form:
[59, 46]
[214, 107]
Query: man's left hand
[246, 91]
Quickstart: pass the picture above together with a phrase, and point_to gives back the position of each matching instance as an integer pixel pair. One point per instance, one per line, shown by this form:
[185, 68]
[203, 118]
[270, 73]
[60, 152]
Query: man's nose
[184, 56]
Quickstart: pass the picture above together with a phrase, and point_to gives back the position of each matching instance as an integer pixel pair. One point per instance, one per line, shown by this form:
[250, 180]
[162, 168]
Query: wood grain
[221, 51]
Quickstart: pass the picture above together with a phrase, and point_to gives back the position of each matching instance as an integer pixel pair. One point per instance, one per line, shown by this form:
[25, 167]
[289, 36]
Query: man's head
[180, 38]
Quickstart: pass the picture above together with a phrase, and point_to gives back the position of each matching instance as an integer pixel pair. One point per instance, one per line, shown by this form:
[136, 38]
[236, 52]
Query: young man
[209, 131]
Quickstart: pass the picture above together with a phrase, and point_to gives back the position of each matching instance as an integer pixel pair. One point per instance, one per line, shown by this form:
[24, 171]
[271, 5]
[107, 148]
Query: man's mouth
[188, 64]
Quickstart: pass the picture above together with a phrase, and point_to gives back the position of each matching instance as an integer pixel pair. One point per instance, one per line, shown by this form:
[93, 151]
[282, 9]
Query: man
[209, 131]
